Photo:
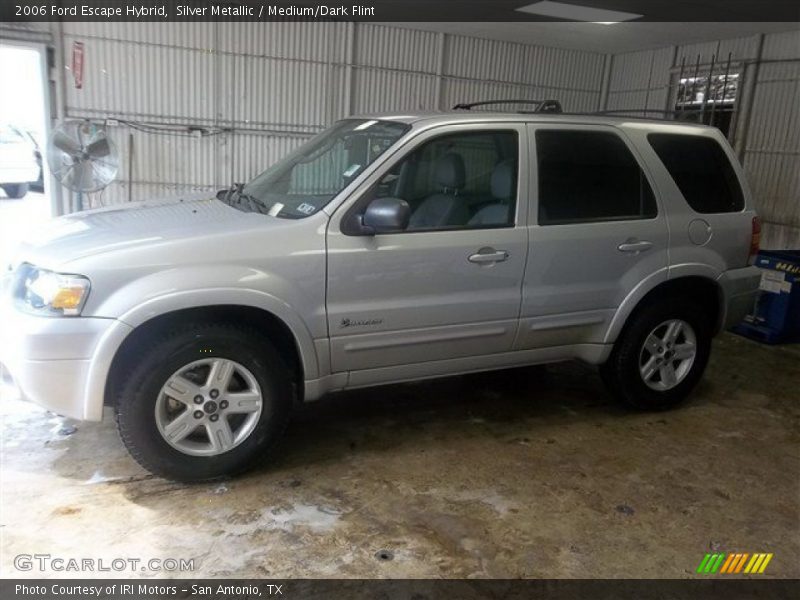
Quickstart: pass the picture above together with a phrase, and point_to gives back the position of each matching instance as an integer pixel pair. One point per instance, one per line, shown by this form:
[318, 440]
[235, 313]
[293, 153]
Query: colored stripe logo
[735, 562]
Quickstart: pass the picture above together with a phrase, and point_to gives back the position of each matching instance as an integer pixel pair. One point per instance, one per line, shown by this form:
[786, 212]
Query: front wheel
[205, 401]
[660, 356]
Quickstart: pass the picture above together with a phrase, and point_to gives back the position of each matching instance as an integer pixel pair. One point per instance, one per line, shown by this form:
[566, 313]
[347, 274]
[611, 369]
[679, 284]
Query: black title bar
[417, 589]
[383, 10]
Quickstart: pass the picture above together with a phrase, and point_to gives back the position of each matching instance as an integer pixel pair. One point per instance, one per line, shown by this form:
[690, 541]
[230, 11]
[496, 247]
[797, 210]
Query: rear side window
[701, 170]
[588, 176]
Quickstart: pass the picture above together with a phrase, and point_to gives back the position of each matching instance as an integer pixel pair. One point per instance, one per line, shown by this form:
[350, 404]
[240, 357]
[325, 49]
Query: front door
[449, 285]
[597, 232]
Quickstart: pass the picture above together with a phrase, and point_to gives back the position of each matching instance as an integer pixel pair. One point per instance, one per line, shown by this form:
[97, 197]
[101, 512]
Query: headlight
[51, 294]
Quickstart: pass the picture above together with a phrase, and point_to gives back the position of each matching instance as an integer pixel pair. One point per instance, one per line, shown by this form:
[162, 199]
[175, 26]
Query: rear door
[597, 231]
[450, 285]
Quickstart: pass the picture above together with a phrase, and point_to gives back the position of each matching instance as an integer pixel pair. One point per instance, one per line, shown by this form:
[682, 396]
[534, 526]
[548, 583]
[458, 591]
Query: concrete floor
[525, 473]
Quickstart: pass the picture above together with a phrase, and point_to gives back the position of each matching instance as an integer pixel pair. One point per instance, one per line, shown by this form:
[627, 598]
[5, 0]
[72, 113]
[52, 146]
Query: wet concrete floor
[532, 472]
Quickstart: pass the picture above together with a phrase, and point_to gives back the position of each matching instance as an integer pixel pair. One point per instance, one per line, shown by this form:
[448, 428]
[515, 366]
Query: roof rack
[542, 106]
[644, 113]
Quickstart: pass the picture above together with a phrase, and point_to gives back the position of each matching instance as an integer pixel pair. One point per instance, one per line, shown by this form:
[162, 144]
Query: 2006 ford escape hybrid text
[388, 248]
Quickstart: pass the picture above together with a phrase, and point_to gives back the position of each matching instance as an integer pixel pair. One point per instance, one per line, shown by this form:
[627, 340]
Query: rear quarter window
[702, 171]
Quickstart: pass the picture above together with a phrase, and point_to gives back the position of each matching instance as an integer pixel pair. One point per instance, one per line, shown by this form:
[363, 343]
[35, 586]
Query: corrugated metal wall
[769, 139]
[640, 80]
[772, 150]
[262, 88]
[257, 89]
[25, 32]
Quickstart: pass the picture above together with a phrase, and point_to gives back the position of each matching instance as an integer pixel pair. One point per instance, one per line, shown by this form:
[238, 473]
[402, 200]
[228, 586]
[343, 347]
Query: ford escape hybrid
[388, 248]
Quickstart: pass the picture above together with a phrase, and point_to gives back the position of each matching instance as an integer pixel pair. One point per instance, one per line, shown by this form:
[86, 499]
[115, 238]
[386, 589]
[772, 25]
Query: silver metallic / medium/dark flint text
[321, 10]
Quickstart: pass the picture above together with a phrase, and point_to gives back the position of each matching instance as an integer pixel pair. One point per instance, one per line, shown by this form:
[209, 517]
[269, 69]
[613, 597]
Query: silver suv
[389, 248]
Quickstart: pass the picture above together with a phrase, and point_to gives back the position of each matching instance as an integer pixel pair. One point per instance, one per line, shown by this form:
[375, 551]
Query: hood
[131, 226]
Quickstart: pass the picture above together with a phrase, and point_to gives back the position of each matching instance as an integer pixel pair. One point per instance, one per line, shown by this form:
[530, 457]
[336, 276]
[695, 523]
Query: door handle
[635, 246]
[488, 255]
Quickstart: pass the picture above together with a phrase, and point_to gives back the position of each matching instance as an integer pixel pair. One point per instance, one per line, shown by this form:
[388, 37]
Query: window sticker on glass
[352, 170]
[275, 209]
[306, 208]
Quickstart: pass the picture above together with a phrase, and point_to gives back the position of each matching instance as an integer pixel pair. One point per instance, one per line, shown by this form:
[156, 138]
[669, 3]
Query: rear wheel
[660, 355]
[206, 401]
[15, 190]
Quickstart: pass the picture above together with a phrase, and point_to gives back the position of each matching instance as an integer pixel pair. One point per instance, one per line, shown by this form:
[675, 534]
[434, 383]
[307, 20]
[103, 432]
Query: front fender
[173, 289]
[102, 358]
[202, 297]
[141, 299]
[130, 314]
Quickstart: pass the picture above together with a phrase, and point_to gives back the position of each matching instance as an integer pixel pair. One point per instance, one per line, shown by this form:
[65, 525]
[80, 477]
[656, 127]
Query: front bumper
[740, 288]
[59, 363]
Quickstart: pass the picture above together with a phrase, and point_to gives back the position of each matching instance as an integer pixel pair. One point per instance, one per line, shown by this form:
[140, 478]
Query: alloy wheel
[208, 407]
[667, 355]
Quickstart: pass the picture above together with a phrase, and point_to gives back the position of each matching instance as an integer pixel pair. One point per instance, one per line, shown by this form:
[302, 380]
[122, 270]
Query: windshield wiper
[235, 197]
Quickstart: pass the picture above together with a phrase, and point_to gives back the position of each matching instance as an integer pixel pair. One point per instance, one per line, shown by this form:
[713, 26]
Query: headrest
[450, 172]
[503, 181]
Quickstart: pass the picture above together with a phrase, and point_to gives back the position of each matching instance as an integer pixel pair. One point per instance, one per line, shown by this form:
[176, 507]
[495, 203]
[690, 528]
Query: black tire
[15, 190]
[38, 185]
[136, 402]
[621, 372]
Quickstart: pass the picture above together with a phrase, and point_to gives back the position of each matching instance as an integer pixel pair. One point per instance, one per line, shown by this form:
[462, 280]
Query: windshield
[306, 180]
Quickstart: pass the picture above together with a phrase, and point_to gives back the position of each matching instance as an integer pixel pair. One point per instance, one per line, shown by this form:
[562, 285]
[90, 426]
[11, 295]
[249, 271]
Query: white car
[18, 164]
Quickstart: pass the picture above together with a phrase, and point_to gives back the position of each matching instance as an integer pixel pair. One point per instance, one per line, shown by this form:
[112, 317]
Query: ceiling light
[574, 12]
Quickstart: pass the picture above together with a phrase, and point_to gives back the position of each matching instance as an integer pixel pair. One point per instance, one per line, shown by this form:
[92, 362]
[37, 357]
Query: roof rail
[644, 113]
[542, 106]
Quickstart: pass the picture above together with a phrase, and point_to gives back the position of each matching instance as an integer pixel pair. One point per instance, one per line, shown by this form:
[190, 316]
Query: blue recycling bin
[776, 317]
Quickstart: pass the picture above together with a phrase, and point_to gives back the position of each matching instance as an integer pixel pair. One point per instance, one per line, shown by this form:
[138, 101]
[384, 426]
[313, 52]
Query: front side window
[702, 171]
[589, 176]
[456, 181]
[305, 181]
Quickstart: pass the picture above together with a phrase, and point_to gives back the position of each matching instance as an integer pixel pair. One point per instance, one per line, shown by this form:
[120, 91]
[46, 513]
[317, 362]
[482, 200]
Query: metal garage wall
[255, 89]
[640, 80]
[768, 137]
[394, 69]
[259, 89]
[772, 145]
[476, 69]
[25, 32]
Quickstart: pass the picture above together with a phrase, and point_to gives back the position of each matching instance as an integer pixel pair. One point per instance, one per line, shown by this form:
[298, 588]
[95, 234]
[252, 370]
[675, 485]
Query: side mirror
[385, 215]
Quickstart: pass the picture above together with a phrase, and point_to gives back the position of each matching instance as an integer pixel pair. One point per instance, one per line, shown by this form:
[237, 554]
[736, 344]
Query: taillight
[755, 240]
